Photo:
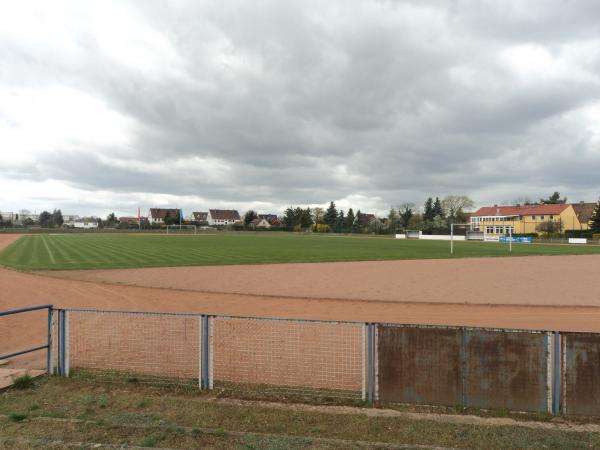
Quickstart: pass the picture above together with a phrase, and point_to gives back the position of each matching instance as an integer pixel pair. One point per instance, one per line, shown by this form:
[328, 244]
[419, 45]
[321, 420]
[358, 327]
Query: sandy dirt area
[535, 280]
[375, 292]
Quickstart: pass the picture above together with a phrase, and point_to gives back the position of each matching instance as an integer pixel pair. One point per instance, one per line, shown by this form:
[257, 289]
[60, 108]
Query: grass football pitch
[103, 251]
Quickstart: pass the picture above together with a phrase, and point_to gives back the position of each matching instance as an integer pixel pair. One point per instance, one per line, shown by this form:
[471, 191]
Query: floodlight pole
[452, 238]
[510, 239]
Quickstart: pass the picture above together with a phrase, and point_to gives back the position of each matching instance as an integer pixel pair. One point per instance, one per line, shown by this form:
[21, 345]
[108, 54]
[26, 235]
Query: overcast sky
[109, 106]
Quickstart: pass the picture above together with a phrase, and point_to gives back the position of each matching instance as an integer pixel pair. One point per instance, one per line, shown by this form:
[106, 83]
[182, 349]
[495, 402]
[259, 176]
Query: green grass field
[103, 251]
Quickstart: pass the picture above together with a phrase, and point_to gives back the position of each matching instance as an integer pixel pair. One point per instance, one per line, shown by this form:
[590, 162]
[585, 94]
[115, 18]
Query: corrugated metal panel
[507, 370]
[581, 379]
[419, 365]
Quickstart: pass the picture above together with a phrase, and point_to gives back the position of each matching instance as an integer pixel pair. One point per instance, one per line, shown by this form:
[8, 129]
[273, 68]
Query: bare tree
[318, 214]
[453, 205]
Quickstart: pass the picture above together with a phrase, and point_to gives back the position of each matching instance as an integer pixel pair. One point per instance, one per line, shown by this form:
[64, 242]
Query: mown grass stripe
[87, 251]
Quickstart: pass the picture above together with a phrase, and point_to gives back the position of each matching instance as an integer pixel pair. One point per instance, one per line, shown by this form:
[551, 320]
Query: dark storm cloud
[305, 102]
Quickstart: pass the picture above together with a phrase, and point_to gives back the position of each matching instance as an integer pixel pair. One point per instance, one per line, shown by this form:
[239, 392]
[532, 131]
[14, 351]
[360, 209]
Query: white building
[86, 224]
[218, 217]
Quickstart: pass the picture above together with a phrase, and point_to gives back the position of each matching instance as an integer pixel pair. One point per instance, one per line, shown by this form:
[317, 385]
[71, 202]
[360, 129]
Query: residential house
[127, 221]
[260, 223]
[522, 219]
[200, 218]
[157, 215]
[85, 223]
[268, 217]
[218, 217]
[584, 212]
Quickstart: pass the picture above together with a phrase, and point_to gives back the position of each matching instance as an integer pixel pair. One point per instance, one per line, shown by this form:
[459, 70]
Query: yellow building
[522, 219]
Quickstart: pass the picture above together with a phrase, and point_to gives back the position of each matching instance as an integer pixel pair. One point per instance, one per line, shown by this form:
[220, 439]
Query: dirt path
[535, 280]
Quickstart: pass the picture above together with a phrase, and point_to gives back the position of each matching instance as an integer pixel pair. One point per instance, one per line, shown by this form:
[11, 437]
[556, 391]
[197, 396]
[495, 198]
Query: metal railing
[47, 346]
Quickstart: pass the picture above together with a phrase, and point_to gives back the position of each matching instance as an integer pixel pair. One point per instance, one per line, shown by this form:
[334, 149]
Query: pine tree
[356, 227]
[437, 208]
[406, 214]
[595, 219]
[330, 215]
[349, 220]
[428, 210]
[340, 222]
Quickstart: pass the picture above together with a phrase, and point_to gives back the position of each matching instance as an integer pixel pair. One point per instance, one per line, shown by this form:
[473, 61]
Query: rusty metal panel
[507, 370]
[419, 365]
[581, 373]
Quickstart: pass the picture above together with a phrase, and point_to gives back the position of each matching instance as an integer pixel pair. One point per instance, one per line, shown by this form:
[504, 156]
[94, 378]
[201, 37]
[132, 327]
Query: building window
[551, 217]
[532, 217]
[541, 217]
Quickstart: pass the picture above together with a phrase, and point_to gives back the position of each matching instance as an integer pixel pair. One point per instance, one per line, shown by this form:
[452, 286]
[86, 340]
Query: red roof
[224, 214]
[523, 210]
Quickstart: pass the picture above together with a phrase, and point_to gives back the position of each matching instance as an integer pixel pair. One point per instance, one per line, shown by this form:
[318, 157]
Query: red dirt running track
[525, 292]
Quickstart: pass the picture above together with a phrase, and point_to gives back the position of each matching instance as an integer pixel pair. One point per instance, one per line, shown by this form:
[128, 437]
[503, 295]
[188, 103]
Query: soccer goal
[413, 234]
[181, 229]
[471, 235]
[475, 235]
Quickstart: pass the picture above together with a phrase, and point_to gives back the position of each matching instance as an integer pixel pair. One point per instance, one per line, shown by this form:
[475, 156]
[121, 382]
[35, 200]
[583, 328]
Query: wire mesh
[152, 345]
[296, 357]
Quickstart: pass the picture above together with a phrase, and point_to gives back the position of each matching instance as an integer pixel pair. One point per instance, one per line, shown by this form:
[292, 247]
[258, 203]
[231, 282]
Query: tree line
[436, 217]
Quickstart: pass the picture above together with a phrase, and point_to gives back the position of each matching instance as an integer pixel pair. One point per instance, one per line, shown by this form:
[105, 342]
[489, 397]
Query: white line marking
[52, 260]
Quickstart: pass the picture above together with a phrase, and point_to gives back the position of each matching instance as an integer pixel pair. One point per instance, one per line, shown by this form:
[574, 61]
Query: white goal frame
[195, 227]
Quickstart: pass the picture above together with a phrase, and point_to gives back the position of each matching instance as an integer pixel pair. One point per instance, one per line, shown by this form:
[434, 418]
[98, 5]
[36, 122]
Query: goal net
[475, 235]
[182, 229]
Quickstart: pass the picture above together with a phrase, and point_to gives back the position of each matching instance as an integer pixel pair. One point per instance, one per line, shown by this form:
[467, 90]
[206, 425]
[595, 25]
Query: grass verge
[125, 414]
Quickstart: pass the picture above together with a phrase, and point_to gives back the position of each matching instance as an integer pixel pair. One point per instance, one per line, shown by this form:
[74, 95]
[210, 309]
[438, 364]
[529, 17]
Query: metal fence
[538, 371]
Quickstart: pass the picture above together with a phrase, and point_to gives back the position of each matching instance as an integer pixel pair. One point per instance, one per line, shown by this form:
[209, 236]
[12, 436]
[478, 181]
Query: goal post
[180, 228]
[452, 226]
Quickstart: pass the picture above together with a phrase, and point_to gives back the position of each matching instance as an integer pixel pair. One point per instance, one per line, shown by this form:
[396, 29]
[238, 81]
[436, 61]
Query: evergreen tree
[57, 218]
[428, 213]
[437, 208]
[340, 222]
[45, 219]
[349, 220]
[553, 199]
[249, 217]
[331, 215]
[305, 219]
[595, 219]
[288, 218]
[406, 214]
[356, 226]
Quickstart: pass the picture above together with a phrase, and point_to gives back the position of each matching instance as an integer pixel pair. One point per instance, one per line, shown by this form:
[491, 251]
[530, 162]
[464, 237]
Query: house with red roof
[522, 219]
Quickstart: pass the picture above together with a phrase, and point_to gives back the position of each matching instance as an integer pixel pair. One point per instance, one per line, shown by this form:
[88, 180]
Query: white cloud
[110, 105]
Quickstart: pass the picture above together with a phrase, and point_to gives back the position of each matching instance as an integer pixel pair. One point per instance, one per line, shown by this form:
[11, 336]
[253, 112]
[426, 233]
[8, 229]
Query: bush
[23, 382]
[321, 228]
[17, 417]
[587, 234]
[531, 235]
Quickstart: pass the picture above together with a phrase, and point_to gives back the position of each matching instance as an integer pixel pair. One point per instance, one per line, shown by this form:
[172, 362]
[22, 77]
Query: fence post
[463, 367]
[364, 362]
[557, 372]
[205, 352]
[49, 351]
[370, 363]
[200, 340]
[59, 349]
